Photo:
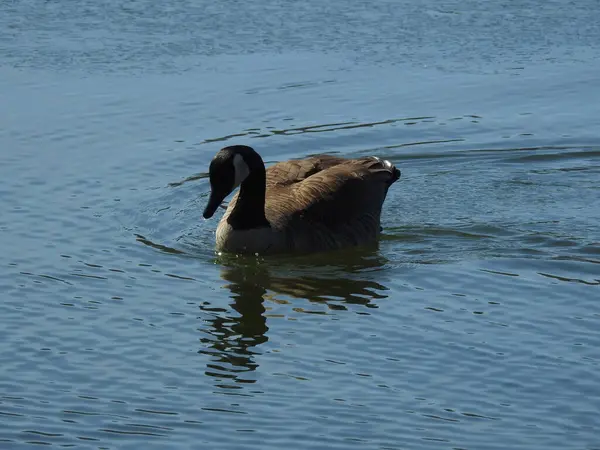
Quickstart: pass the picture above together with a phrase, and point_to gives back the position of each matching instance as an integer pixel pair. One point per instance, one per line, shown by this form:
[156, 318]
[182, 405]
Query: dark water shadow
[333, 278]
[233, 335]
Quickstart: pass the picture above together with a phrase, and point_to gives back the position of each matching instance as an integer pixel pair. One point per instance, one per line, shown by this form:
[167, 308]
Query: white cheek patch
[241, 170]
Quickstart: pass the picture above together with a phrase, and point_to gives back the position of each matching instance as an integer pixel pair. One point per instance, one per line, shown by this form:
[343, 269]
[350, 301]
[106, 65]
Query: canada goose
[319, 203]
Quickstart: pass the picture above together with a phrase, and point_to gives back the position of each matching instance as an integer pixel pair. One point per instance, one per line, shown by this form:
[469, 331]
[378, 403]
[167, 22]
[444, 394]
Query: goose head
[229, 168]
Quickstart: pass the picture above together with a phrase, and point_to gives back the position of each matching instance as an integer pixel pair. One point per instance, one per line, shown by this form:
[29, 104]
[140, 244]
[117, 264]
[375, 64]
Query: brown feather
[335, 207]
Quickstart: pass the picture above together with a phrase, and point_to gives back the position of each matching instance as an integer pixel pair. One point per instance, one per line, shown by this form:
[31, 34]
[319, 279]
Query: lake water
[474, 325]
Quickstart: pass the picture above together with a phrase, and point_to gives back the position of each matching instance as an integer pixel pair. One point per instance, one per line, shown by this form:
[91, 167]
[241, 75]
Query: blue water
[473, 325]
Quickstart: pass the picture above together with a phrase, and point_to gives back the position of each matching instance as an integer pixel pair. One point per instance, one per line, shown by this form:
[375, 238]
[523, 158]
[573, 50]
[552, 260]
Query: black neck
[249, 210]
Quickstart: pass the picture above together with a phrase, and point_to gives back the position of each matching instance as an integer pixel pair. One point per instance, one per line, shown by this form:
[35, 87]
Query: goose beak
[214, 201]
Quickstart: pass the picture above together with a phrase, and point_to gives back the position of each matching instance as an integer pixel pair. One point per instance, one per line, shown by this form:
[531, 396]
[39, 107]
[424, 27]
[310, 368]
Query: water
[473, 325]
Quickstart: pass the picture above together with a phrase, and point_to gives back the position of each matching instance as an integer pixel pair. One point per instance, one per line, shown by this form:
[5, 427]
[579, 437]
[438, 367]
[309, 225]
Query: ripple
[547, 157]
[571, 280]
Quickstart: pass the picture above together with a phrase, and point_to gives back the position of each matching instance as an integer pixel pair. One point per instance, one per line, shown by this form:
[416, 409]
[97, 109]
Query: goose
[314, 204]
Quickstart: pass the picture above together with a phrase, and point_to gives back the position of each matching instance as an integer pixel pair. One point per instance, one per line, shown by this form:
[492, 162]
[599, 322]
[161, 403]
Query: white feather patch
[240, 169]
[387, 164]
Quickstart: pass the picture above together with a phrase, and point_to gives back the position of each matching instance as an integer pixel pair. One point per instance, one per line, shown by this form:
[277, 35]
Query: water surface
[472, 325]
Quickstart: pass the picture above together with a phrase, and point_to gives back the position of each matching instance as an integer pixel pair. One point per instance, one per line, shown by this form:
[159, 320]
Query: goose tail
[393, 170]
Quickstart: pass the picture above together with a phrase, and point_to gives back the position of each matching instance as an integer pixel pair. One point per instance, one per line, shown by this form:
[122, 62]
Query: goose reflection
[332, 281]
[233, 334]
